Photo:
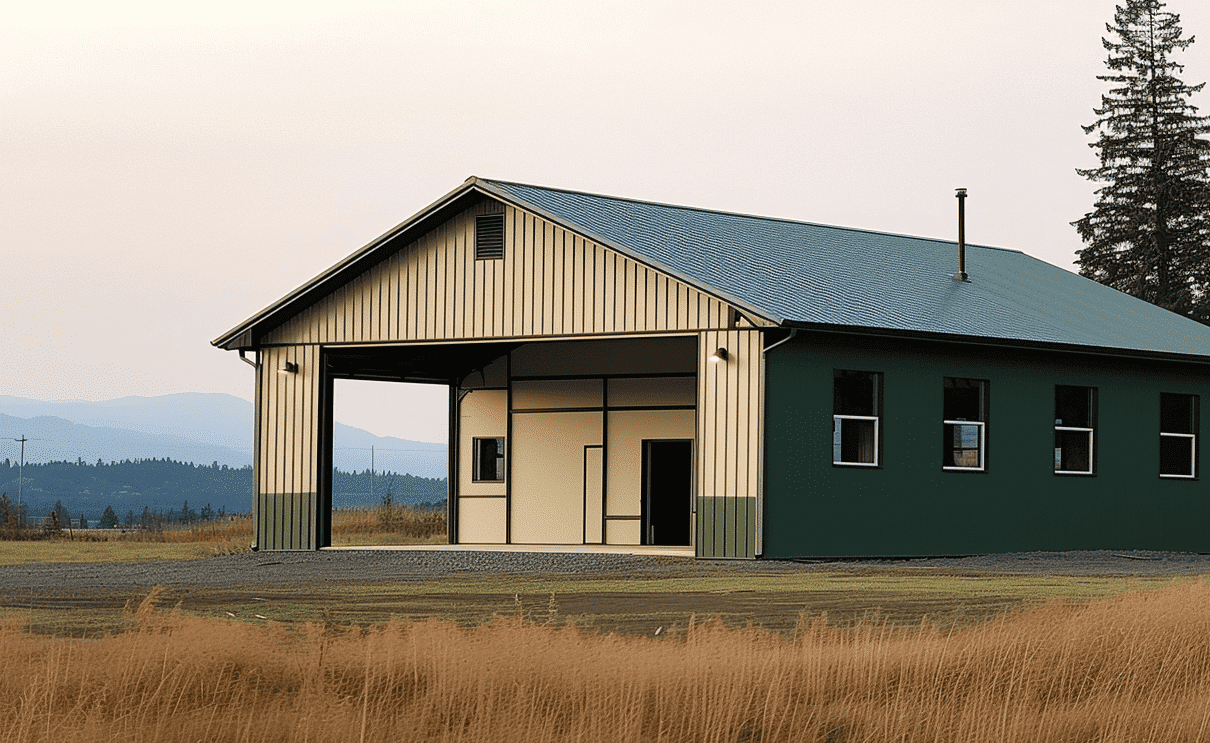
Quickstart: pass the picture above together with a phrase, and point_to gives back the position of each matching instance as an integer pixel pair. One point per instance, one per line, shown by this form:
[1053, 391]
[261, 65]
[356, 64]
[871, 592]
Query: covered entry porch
[588, 442]
[628, 441]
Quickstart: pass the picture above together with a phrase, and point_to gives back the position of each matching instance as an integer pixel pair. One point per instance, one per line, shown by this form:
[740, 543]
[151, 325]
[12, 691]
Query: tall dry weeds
[1132, 668]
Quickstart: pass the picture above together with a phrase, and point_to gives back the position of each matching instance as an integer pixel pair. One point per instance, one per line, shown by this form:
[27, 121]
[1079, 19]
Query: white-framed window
[964, 424]
[856, 418]
[1178, 435]
[487, 460]
[1075, 430]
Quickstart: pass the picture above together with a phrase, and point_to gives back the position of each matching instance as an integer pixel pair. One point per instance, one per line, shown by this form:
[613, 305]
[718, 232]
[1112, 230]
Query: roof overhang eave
[999, 342]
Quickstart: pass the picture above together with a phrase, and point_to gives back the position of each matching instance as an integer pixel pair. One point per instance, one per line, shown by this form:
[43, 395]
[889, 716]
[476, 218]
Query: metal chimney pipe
[961, 275]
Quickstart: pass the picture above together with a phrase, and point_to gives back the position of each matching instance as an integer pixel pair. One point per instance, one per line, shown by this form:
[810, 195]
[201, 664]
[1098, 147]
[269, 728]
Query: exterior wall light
[288, 368]
[719, 355]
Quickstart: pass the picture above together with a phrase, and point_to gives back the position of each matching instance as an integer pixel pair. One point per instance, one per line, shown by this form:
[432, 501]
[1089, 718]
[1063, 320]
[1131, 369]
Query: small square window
[1075, 430]
[856, 405]
[1178, 435]
[489, 236]
[488, 460]
[964, 423]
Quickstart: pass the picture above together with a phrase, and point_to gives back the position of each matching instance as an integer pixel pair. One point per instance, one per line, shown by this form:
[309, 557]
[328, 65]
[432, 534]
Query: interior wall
[624, 465]
[548, 475]
[481, 521]
[574, 438]
[483, 413]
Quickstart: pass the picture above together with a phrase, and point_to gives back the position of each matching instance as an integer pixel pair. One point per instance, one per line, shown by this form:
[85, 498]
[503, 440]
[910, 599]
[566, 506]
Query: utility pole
[21, 477]
[371, 476]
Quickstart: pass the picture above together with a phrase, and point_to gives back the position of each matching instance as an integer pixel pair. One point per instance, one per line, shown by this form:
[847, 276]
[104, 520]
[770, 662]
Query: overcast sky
[169, 169]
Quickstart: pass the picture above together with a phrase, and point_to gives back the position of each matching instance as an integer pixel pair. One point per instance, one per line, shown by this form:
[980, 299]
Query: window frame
[877, 433]
[1090, 429]
[981, 423]
[477, 458]
[838, 418]
[1194, 414]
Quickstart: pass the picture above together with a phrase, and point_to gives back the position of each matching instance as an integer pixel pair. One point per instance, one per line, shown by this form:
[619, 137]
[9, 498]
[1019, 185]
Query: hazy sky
[169, 169]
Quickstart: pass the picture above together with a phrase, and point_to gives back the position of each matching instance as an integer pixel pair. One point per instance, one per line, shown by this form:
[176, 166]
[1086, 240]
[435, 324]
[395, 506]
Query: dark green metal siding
[910, 506]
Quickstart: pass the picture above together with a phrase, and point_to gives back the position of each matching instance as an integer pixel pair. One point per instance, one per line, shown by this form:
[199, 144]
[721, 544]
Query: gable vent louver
[489, 236]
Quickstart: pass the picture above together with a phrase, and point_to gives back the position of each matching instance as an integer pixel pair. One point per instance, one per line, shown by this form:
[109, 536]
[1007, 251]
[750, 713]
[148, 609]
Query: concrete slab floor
[608, 549]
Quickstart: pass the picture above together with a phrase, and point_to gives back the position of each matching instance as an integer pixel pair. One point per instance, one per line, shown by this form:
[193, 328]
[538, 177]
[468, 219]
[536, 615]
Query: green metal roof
[798, 273]
[804, 274]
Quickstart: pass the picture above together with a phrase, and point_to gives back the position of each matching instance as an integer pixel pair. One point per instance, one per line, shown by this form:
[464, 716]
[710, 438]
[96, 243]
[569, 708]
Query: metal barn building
[632, 373]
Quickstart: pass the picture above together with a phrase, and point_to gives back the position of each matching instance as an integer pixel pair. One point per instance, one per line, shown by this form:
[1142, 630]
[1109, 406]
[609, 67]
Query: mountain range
[198, 427]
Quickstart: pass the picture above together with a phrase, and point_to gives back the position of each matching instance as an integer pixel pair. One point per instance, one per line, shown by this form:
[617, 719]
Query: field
[371, 526]
[713, 653]
[1131, 668]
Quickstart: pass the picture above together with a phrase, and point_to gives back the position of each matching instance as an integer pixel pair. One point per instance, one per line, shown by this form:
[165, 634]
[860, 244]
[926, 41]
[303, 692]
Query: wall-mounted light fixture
[719, 355]
[288, 368]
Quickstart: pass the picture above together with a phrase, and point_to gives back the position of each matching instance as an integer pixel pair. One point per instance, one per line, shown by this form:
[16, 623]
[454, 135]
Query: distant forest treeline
[160, 484]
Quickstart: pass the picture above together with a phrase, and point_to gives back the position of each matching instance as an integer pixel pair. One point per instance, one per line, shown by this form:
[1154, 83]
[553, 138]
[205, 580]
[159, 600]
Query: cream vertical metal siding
[549, 282]
[728, 430]
[287, 446]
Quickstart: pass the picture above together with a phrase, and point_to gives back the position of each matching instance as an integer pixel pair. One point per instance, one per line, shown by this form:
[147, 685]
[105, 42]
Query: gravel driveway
[316, 569]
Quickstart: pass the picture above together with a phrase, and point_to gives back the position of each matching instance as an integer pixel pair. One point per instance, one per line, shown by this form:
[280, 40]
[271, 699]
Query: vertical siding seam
[288, 434]
[392, 303]
[547, 278]
[531, 293]
[558, 276]
[440, 291]
[376, 294]
[449, 305]
[506, 278]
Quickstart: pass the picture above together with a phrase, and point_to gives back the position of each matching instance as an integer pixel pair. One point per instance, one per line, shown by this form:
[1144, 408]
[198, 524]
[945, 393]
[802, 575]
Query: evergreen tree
[8, 513]
[63, 518]
[1149, 232]
[109, 519]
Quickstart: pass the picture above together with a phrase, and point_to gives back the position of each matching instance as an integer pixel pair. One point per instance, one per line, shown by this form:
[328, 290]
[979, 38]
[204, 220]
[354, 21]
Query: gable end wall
[551, 282]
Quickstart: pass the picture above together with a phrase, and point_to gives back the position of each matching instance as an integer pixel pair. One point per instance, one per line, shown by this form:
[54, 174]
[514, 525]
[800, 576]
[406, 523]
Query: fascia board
[980, 340]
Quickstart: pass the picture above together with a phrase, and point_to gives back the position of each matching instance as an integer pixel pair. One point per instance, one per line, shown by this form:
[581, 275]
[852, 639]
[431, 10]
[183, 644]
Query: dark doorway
[667, 491]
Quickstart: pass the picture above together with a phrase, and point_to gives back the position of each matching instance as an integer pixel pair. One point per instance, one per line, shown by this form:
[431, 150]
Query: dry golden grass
[1132, 668]
[394, 525]
[399, 525]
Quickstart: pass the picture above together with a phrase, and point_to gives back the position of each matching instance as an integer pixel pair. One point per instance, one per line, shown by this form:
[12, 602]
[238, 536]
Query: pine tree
[8, 513]
[1149, 232]
[109, 519]
[62, 516]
